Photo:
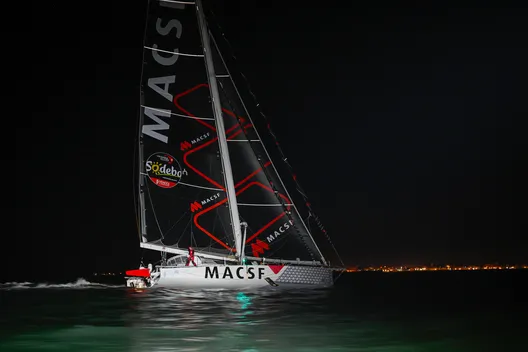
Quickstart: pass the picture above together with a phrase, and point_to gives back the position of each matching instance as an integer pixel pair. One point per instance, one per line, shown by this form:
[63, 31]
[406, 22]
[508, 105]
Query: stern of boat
[142, 277]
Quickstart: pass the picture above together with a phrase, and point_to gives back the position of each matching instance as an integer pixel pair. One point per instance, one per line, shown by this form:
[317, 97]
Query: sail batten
[208, 188]
[173, 52]
[244, 140]
[264, 205]
[180, 115]
[178, 2]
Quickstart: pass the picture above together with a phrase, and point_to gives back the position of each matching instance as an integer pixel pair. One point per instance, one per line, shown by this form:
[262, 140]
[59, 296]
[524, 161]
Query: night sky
[404, 125]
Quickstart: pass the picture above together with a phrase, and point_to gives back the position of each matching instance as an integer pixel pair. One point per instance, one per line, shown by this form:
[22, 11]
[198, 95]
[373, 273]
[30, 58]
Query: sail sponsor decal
[199, 205]
[163, 170]
[186, 145]
[156, 126]
[279, 231]
[195, 206]
[212, 198]
[241, 272]
[258, 248]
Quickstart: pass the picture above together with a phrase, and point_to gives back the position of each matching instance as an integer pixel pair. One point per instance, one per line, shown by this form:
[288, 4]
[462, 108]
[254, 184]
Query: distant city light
[391, 269]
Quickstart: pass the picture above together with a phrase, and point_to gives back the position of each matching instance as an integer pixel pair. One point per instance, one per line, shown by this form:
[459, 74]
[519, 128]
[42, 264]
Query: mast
[222, 140]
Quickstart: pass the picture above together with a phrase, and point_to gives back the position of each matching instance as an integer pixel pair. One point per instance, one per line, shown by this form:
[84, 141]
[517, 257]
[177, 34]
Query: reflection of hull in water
[237, 277]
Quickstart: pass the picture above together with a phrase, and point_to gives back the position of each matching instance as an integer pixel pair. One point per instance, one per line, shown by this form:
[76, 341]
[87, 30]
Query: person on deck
[190, 258]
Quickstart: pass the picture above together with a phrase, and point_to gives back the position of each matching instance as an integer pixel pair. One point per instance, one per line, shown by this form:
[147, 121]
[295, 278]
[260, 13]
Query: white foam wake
[80, 283]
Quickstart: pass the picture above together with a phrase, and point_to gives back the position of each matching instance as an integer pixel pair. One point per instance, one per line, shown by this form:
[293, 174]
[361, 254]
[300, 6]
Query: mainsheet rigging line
[284, 158]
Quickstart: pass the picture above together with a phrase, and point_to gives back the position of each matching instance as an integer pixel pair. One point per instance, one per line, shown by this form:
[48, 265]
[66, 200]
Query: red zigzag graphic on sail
[260, 246]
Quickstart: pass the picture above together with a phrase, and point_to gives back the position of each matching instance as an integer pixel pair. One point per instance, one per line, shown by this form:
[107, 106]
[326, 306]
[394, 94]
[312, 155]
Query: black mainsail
[180, 168]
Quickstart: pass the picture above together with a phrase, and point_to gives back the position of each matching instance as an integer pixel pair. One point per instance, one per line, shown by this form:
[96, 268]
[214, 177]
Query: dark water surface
[430, 311]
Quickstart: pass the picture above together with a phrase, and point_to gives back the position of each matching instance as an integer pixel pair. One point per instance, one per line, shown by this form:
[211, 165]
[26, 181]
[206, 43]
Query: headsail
[275, 228]
[182, 194]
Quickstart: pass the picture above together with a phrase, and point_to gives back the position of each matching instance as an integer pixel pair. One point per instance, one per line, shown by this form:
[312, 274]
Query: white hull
[241, 277]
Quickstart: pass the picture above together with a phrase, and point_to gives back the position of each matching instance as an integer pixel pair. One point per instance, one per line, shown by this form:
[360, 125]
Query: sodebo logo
[163, 170]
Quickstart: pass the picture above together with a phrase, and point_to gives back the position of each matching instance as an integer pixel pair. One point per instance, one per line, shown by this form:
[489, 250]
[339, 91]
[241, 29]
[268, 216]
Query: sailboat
[206, 183]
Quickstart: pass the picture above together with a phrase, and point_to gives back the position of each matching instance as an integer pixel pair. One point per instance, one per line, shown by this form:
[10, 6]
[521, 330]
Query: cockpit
[181, 260]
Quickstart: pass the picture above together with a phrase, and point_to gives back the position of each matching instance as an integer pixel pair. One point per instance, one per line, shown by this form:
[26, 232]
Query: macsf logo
[195, 206]
[185, 145]
[258, 248]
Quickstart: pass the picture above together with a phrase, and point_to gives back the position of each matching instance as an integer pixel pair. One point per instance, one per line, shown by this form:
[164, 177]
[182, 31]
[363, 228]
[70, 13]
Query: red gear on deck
[190, 258]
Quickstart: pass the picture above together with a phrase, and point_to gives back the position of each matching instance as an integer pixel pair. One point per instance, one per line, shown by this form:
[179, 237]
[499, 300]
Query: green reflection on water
[245, 302]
